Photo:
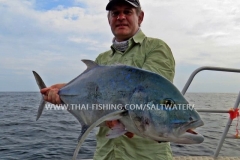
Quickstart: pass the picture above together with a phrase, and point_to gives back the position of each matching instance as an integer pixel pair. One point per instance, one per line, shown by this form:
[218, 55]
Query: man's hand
[51, 93]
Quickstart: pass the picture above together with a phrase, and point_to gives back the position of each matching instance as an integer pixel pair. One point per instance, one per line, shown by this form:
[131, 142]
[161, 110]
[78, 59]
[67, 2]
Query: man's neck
[122, 45]
[126, 39]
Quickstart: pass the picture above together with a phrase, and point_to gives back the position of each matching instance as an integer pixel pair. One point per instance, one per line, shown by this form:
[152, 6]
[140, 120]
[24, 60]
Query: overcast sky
[52, 36]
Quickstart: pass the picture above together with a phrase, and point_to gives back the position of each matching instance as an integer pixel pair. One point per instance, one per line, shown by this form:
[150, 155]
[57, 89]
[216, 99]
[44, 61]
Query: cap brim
[111, 3]
[134, 5]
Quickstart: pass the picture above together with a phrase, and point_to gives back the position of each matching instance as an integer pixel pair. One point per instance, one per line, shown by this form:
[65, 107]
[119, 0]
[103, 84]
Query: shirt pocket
[138, 59]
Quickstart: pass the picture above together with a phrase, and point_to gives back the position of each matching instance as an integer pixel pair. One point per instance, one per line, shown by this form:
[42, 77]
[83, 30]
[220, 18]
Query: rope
[234, 113]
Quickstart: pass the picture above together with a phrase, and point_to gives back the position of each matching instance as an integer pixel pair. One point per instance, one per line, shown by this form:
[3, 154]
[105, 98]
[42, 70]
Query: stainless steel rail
[206, 68]
[220, 143]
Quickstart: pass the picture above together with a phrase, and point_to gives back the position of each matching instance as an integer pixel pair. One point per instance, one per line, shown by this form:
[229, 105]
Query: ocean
[54, 135]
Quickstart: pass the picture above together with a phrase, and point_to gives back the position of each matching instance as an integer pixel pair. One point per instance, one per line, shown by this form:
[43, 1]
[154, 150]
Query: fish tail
[41, 85]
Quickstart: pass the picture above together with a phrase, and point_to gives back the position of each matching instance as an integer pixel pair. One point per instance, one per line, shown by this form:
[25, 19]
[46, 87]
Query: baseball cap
[134, 3]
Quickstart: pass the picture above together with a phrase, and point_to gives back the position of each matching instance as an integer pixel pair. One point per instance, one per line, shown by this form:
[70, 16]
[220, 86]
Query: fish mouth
[189, 127]
[188, 135]
[191, 131]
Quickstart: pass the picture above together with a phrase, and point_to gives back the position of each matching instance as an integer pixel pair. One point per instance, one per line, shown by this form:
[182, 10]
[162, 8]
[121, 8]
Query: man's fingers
[50, 94]
[53, 96]
[58, 100]
[45, 98]
[45, 90]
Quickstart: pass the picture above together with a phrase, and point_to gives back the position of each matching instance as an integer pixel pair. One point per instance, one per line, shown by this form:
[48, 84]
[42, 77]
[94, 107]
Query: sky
[52, 36]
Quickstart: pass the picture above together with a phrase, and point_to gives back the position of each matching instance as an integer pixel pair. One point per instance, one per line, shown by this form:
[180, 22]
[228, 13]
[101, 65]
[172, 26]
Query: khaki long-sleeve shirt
[150, 54]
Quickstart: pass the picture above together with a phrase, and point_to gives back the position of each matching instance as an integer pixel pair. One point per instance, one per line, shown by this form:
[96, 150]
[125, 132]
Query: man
[131, 47]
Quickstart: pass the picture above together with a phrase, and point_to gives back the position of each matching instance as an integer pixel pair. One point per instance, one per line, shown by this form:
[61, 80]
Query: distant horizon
[180, 91]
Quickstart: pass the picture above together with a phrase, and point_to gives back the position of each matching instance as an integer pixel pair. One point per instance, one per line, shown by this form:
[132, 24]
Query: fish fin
[41, 85]
[102, 124]
[115, 133]
[117, 129]
[87, 130]
[114, 117]
[115, 124]
[40, 108]
[84, 128]
[39, 80]
[90, 64]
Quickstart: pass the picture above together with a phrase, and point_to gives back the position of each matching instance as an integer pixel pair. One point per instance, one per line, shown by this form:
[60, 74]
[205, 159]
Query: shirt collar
[137, 38]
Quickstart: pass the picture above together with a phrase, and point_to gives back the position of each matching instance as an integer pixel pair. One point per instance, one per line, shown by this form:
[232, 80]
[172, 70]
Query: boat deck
[205, 158]
[200, 158]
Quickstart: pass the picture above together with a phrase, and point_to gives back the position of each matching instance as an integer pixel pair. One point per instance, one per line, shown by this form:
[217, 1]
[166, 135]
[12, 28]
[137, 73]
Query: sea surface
[54, 135]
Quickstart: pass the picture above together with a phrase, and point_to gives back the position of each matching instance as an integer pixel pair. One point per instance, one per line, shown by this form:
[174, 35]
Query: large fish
[143, 102]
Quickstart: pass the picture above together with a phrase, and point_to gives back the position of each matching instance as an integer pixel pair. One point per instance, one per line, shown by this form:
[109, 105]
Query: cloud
[31, 38]
[53, 37]
[194, 29]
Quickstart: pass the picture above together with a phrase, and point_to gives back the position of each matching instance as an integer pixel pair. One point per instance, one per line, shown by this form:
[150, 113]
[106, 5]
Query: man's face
[124, 21]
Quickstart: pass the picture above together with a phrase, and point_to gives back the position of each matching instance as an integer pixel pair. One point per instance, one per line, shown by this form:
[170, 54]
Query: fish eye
[190, 119]
[169, 102]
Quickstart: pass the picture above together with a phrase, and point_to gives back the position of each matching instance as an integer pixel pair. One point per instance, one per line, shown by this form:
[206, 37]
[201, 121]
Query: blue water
[54, 135]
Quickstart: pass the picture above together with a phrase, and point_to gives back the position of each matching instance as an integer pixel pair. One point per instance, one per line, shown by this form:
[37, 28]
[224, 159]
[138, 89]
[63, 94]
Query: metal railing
[220, 143]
